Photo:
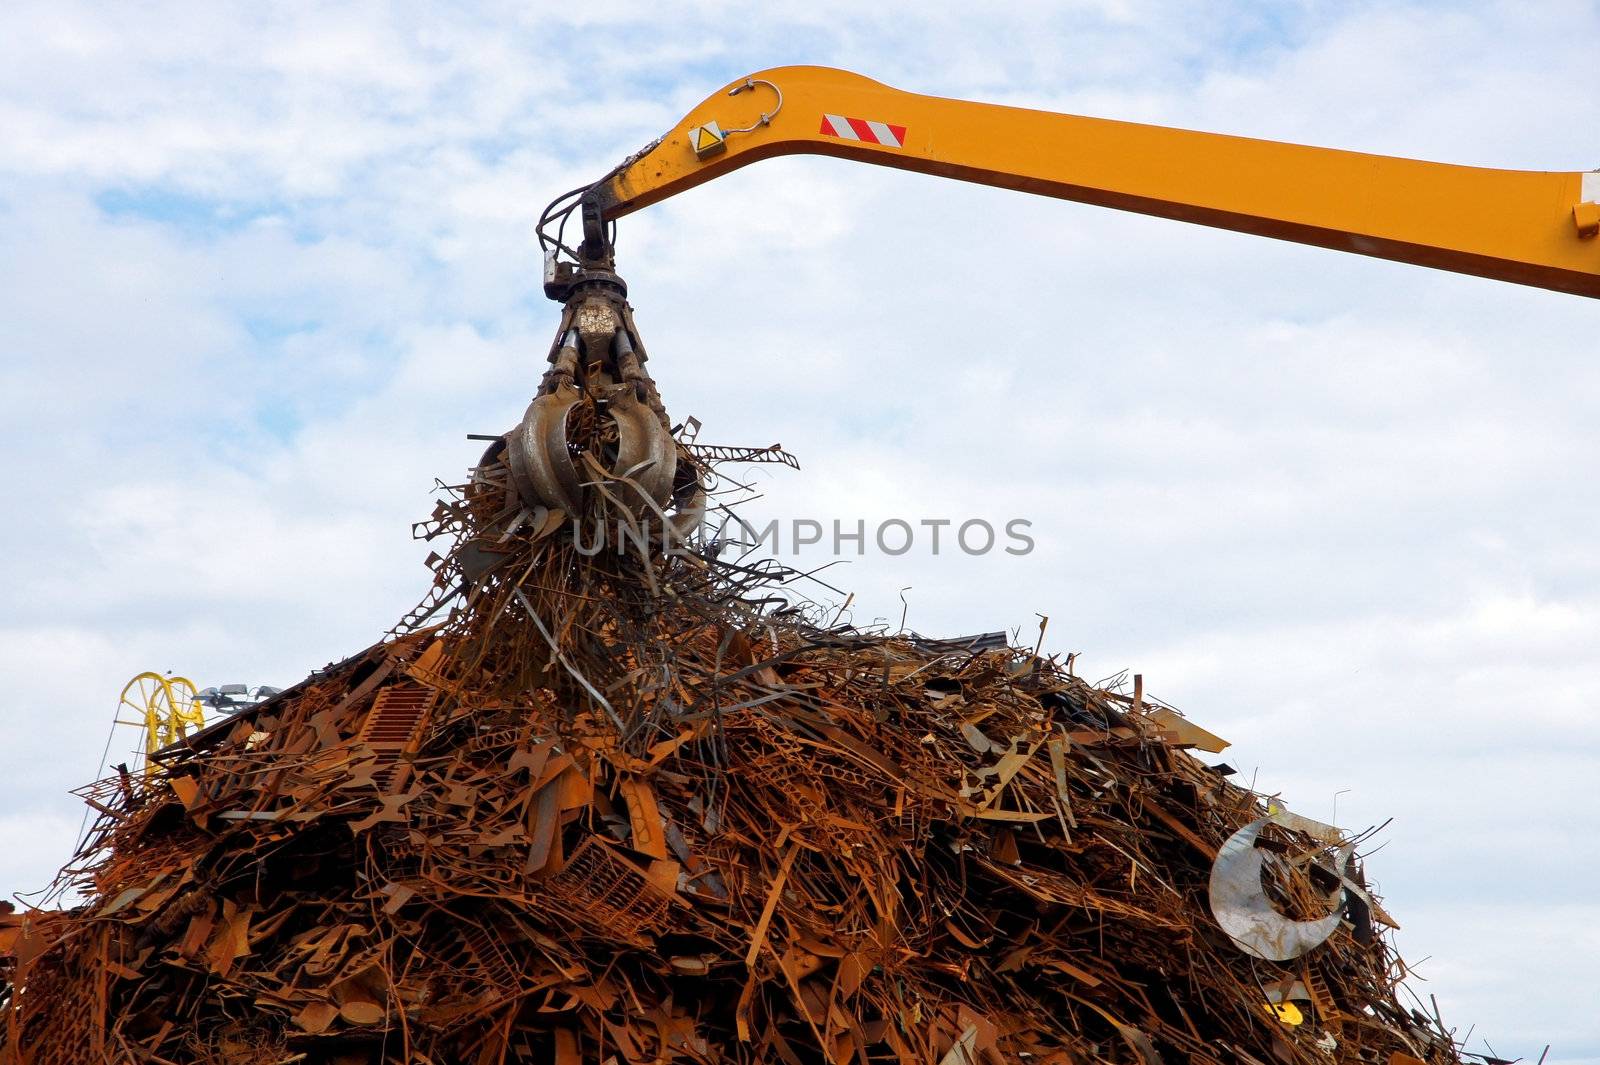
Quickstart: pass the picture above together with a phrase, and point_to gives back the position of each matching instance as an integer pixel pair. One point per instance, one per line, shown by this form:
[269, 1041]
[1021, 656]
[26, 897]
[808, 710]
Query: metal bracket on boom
[1587, 213]
[596, 247]
[596, 257]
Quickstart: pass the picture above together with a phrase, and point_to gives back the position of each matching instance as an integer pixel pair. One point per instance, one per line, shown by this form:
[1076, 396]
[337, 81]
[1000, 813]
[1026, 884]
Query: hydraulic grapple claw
[597, 408]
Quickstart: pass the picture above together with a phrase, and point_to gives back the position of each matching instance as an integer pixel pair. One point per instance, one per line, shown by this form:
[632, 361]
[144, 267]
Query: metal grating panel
[397, 716]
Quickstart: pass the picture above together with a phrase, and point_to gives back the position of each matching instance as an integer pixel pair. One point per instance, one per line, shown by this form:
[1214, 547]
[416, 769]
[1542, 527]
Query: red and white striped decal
[859, 129]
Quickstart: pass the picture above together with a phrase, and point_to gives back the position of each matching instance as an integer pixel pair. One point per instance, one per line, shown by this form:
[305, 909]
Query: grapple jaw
[597, 424]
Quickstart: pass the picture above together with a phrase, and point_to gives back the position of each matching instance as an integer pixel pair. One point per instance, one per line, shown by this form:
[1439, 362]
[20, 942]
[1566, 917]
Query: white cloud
[260, 271]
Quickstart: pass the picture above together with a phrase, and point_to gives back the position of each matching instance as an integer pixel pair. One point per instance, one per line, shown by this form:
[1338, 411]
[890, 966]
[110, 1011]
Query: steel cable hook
[767, 116]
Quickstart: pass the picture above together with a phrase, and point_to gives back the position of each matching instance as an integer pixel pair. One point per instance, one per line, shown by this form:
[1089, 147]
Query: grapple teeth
[646, 454]
[536, 451]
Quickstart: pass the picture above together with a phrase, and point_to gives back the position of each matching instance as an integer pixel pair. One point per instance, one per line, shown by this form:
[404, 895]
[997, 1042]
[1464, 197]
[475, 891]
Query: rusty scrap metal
[711, 453]
[1240, 903]
[646, 806]
[791, 843]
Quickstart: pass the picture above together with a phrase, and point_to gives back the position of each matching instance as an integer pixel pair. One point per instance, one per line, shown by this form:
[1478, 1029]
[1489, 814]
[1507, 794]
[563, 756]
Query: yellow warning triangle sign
[706, 139]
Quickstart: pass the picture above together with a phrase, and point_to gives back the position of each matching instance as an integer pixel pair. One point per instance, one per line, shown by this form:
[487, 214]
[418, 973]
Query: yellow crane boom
[1528, 227]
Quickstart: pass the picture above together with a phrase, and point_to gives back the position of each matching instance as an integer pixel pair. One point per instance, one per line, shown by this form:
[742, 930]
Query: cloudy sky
[263, 267]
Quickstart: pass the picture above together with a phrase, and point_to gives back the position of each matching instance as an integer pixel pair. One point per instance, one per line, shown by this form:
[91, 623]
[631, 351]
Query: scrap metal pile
[630, 806]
